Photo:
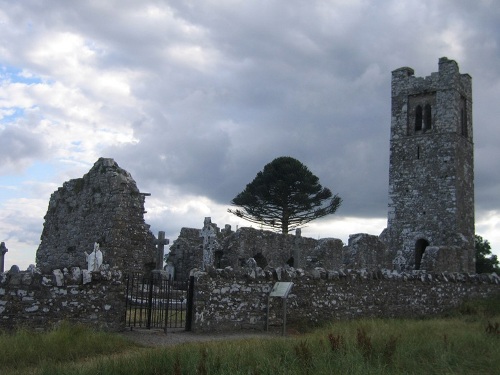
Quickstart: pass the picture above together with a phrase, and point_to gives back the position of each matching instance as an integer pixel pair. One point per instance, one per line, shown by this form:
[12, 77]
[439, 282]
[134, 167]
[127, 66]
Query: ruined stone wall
[270, 249]
[227, 300]
[39, 301]
[104, 206]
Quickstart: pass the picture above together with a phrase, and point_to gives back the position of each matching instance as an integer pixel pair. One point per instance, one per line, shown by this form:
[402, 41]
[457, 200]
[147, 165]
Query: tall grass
[66, 343]
[459, 344]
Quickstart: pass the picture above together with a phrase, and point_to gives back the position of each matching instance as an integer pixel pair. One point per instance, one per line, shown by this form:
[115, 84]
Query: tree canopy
[284, 196]
[486, 262]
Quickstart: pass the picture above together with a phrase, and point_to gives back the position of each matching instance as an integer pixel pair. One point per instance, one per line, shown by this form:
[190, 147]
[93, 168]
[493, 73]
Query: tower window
[418, 118]
[427, 117]
[463, 117]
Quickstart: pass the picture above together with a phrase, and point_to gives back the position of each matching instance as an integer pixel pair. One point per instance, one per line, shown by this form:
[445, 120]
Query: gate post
[189, 306]
[150, 303]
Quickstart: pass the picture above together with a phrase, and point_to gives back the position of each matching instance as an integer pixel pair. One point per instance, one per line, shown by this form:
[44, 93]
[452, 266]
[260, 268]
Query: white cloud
[194, 99]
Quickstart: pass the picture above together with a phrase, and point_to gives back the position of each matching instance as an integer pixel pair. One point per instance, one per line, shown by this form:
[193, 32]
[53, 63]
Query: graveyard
[99, 264]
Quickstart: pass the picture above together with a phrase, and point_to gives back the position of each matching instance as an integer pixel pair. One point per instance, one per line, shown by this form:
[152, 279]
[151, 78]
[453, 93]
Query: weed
[303, 353]
[202, 363]
[177, 366]
[364, 343]
[493, 329]
[445, 340]
[337, 343]
[389, 350]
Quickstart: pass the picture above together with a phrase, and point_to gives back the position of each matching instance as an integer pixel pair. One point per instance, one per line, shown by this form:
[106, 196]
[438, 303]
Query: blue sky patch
[16, 75]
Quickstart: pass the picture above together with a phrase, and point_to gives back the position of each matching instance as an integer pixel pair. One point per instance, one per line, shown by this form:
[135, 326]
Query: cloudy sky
[193, 98]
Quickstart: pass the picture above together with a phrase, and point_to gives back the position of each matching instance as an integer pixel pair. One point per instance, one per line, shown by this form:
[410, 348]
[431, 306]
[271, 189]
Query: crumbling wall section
[39, 301]
[366, 251]
[270, 249]
[104, 206]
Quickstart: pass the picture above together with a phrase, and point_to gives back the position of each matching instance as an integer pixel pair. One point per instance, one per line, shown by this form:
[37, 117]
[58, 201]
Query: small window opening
[463, 118]
[418, 118]
[418, 152]
[427, 117]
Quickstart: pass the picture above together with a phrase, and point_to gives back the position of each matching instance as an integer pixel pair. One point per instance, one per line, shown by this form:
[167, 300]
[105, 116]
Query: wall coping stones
[64, 277]
[287, 273]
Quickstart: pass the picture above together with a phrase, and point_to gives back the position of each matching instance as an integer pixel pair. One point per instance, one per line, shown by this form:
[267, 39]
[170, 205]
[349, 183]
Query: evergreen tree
[285, 196]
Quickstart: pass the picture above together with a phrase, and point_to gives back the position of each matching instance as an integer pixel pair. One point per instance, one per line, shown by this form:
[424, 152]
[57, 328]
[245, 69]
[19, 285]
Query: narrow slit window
[418, 118]
[463, 118]
[427, 117]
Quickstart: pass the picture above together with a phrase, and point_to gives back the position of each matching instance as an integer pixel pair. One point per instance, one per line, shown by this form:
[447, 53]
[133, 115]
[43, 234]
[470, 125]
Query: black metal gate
[156, 302]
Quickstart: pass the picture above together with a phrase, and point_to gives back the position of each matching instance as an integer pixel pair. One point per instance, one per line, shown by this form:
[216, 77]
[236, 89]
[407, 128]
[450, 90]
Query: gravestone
[3, 250]
[94, 259]
[208, 234]
[399, 262]
[160, 252]
[170, 271]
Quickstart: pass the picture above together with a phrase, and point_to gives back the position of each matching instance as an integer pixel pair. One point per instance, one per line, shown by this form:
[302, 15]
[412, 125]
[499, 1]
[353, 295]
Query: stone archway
[420, 247]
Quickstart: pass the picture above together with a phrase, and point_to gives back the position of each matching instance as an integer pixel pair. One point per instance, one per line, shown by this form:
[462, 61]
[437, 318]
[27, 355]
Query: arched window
[418, 118]
[427, 117]
[420, 246]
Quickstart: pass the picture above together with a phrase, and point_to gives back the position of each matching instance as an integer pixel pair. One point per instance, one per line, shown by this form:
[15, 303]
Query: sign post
[280, 289]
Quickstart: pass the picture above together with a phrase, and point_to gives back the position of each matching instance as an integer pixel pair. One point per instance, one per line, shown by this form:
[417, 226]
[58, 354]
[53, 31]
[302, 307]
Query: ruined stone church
[430, 222]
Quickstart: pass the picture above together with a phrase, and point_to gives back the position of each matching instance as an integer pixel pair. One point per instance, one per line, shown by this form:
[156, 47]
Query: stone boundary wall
[30, 299]
[225, 301]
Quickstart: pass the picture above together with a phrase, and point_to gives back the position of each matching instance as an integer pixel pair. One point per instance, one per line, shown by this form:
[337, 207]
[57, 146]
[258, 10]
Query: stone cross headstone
[399, 261]
[161, 241]
[3, 250]
[208, 234]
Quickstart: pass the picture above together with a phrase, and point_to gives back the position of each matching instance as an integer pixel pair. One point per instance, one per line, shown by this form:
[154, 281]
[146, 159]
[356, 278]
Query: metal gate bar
[156, 302]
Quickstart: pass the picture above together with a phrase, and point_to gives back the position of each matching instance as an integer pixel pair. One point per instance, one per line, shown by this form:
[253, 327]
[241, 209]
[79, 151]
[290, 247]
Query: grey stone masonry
[431, 175]
[270, 249]
[228, 299]
[29, 299]
[104, 206]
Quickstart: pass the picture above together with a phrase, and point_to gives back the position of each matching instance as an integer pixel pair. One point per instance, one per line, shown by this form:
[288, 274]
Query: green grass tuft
[458, 344]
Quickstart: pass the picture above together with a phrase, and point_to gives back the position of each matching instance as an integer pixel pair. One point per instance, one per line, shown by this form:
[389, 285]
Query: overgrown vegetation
[486, 261]
[466, 342]
[62, 345]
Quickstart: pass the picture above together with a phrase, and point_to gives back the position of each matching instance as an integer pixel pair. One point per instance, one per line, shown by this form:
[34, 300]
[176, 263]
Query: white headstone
[94, 259]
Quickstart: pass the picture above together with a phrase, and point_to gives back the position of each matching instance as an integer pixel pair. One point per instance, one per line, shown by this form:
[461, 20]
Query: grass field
[465, 342]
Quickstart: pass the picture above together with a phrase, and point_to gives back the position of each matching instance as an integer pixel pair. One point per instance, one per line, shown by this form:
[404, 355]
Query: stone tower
[431, 177]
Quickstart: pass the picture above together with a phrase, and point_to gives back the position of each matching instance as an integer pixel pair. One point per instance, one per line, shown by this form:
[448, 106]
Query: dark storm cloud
[218, 89]
[303, 83]
[19, 148]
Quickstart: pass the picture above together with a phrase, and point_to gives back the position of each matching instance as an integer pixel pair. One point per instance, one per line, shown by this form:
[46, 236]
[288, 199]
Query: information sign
[281, 289]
